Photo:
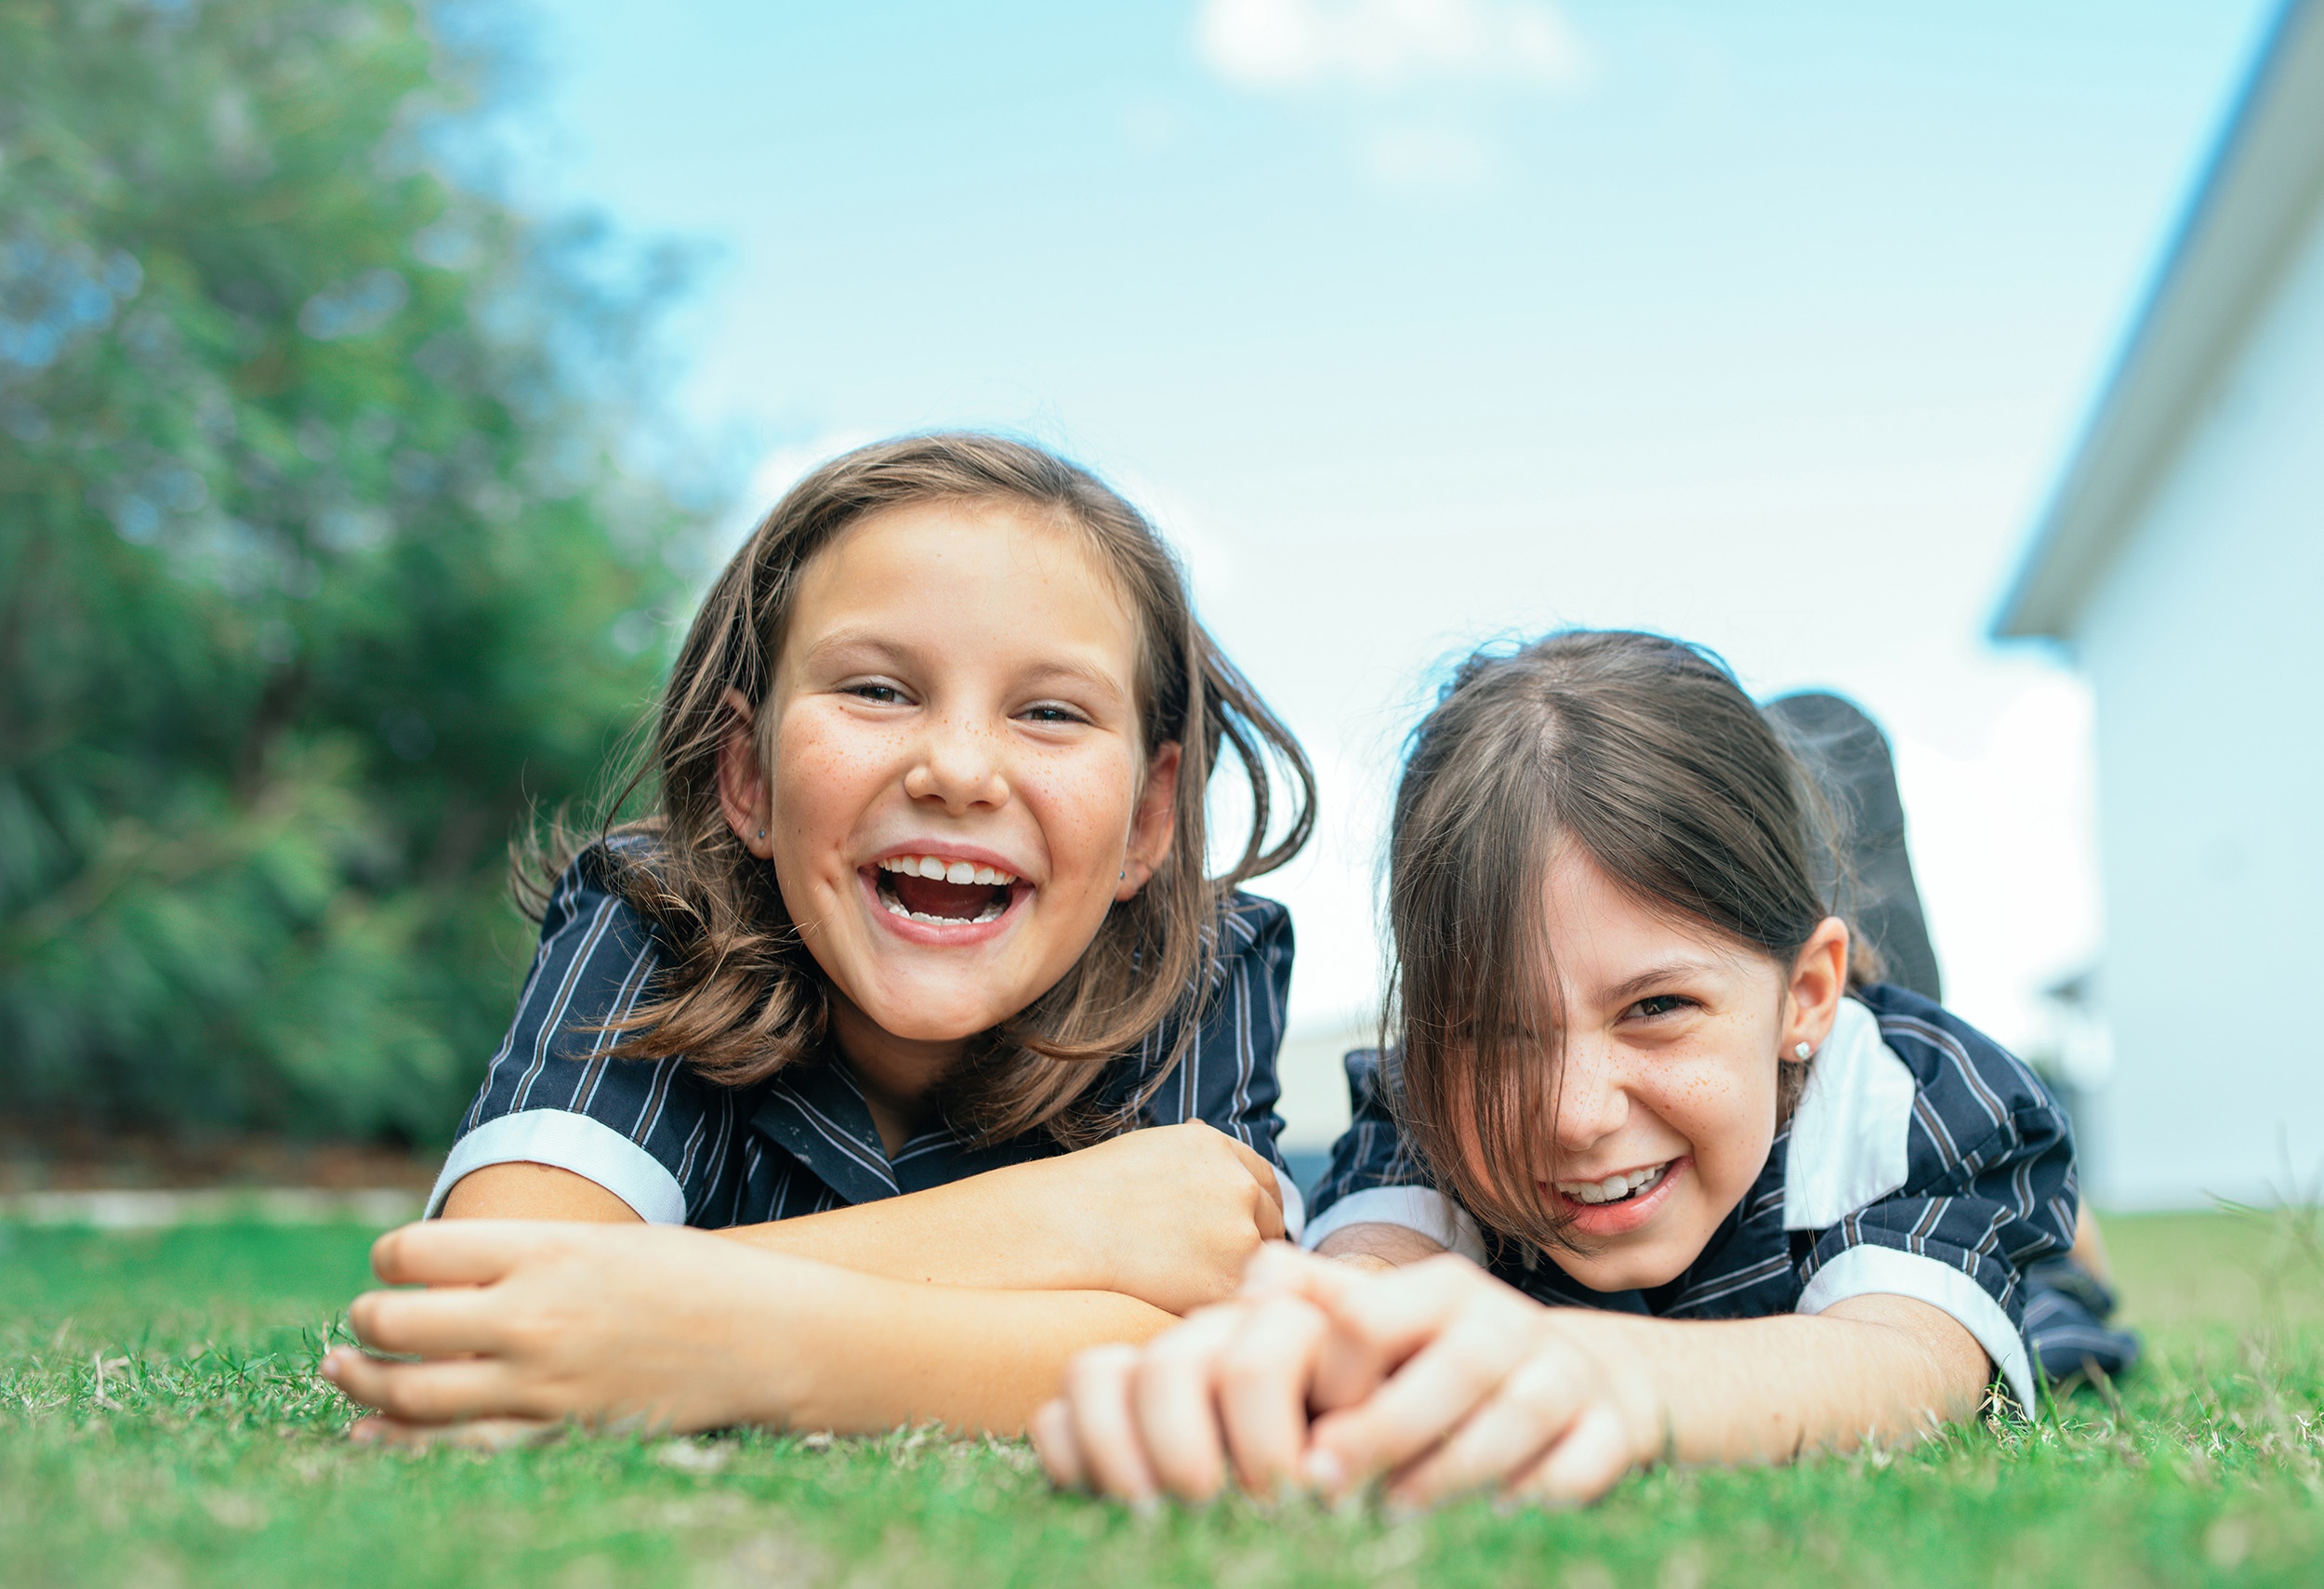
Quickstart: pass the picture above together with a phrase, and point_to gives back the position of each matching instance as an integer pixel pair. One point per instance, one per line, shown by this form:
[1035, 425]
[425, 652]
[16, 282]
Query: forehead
[1601, 934]
[988, 573]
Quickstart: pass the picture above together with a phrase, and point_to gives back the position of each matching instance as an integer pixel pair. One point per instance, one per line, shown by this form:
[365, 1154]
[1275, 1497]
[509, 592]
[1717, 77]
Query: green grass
[211, 1455]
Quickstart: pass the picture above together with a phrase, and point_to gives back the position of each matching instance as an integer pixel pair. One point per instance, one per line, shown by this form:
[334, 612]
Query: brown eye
[1660, 1004]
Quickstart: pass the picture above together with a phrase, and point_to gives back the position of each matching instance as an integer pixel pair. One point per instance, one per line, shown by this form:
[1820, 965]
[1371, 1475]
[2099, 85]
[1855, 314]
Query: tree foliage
[315, 570]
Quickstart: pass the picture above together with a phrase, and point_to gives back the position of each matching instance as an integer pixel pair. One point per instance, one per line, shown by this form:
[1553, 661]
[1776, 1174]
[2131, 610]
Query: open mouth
[1622, 1188]
[943, 893]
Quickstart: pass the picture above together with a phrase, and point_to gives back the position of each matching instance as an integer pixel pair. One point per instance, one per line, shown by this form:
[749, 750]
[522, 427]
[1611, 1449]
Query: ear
[744, 794]
[1819, 978]
[1153, 825]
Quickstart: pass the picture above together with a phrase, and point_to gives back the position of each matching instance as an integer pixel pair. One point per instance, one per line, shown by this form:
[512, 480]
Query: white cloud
[1271, 44]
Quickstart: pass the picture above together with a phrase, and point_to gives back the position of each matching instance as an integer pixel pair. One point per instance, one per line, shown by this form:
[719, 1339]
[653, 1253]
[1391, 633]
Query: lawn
[160, 1424]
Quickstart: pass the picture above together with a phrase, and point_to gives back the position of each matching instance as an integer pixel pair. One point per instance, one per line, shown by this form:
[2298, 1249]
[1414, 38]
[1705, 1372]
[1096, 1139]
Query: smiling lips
[1617, 1187]
[1619, 1203]
[939, 892]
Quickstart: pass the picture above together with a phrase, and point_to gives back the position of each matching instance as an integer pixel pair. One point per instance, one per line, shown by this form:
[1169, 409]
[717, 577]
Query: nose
[957, 763]
[1593, 1092]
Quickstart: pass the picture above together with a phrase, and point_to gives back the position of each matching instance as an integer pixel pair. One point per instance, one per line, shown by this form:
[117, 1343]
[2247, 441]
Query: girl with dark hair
[1662, 1170]
[863, 998]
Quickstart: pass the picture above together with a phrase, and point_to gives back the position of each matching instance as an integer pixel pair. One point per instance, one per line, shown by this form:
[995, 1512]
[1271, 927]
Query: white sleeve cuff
[1294, 1205]
[1432, 1214]
[1885, 1271]
[589, 1147]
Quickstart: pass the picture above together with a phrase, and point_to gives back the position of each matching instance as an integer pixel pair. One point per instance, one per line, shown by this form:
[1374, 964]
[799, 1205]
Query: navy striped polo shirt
[680, 1149]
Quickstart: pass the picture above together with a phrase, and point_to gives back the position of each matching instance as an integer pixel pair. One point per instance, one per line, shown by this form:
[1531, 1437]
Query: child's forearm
[1883, 1368]
[974, 1361]
[1764, 1389]
[993, 1232]
[679, 1330]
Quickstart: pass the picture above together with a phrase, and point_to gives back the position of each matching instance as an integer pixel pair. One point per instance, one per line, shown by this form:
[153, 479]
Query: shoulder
[1249, 925]
[1906, 1098]
[597, 890]
[1970, 1087]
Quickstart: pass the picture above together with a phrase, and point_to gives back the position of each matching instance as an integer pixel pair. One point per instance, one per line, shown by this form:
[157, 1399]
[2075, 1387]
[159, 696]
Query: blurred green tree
[315, 568]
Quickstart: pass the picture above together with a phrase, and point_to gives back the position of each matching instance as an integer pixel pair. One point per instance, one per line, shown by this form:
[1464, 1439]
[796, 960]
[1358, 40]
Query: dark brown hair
[1646, 753]
[743, 998]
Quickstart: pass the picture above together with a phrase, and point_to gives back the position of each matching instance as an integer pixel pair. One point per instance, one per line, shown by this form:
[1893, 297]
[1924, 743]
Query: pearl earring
[1800, 1051]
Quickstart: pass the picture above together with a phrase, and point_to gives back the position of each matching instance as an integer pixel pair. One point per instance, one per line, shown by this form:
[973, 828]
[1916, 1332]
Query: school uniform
[682, 1150]
[1921, 1161]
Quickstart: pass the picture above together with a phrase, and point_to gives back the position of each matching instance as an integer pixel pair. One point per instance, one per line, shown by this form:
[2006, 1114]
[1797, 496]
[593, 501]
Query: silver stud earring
[1800, 1051]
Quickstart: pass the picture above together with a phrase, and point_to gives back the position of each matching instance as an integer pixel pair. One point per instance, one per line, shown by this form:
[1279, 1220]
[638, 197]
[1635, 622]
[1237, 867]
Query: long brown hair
[742, 998]
[1645, 752]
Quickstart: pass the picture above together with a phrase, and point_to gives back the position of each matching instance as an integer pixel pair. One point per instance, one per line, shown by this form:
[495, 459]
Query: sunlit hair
[743, 999]
[1646, 754]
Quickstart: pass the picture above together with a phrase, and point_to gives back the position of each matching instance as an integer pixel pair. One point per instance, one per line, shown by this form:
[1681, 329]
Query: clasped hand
[1436, 1378]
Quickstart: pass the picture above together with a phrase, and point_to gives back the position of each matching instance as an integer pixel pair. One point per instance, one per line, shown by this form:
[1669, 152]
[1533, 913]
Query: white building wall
[2204, 641]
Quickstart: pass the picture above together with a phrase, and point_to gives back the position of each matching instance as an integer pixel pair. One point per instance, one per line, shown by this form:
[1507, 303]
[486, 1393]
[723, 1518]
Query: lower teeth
[990, 913]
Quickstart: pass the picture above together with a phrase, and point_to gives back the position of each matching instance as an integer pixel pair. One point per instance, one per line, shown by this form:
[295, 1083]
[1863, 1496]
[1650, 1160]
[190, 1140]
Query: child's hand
[1170, 1215]
[1232, 1386]
[1436, 1376]
[521, 1323]
[1483, 1388]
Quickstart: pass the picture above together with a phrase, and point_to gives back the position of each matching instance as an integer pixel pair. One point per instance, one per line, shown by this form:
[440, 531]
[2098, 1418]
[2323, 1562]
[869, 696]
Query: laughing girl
[1662, 1172]
[920, 938]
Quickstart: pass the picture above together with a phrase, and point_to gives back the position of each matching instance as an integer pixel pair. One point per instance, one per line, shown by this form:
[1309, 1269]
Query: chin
[1613, 1268]
[920, 1017]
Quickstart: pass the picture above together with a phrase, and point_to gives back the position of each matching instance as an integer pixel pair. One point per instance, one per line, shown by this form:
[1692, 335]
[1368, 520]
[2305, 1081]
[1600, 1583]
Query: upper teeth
[937, 867]
[1613, 1187]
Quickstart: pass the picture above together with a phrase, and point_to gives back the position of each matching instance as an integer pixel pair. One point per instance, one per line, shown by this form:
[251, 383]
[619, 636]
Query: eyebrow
[1662, 972]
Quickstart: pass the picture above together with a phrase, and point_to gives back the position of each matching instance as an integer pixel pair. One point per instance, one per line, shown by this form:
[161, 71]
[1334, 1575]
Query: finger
[1380, 1319]
[438, 1323]
[427, 1392]
[459, 1251]
[1051, 1427]
[1263, 1171]
[1279, 1268]
[479, 1435]
[1173, 1398]
[1105, 1428]
[1432, 1394]
[1585, 1464]
[1262, 1379]
[1530, 1411]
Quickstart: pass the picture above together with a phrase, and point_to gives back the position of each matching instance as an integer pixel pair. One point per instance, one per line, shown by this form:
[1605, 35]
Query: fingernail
[1323, 1470]
[331, 1366]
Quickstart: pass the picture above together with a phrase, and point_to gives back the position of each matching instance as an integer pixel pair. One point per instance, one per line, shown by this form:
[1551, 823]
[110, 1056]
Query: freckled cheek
[1084, 816]
[826, 782]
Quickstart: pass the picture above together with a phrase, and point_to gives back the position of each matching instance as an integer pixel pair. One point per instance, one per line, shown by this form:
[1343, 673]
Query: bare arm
[1169, 1216]
[1812, 1379]
[1443, 1381]
[1452, 1381]
[677, 1330]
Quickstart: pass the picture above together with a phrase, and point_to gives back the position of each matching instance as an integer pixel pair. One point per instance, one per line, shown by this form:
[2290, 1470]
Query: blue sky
[1420, 322]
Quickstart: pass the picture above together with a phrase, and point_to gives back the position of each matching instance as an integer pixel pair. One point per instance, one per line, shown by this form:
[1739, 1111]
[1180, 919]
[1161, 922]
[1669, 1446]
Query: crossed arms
[962, 1303]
